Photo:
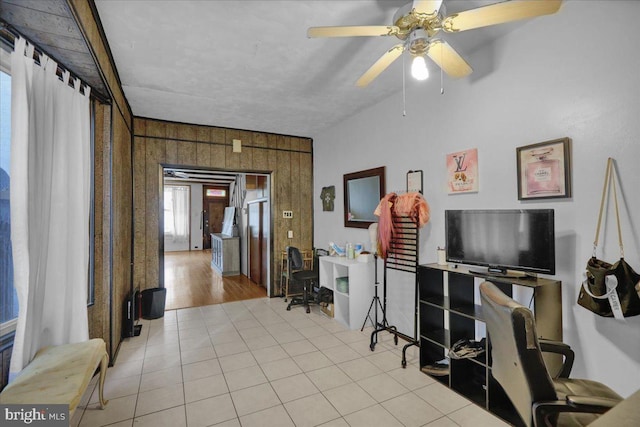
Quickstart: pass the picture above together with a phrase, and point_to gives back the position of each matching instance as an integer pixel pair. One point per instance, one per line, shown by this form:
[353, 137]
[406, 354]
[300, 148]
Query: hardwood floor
[191, 282]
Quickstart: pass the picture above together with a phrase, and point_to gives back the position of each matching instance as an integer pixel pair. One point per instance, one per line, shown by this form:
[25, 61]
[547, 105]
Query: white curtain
[50, 189]
[238, 192]
[180, 208]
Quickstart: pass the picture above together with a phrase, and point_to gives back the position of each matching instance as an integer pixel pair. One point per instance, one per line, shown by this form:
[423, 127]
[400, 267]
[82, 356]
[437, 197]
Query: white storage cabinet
[350, 308]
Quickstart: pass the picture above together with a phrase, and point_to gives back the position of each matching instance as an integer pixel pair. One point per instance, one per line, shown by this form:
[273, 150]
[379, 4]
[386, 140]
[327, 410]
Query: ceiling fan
[417, 24]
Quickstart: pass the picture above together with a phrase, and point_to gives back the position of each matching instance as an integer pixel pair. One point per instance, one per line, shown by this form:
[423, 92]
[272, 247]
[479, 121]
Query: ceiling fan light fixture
[419, 69]
[418, 22]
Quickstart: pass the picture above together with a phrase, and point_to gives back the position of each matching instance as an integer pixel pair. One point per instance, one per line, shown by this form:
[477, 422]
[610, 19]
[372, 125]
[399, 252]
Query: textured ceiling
[249, 64]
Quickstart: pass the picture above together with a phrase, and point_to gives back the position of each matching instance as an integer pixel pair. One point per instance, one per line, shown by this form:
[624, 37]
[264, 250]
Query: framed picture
[414, 181]
[544, 170]
[462, 171]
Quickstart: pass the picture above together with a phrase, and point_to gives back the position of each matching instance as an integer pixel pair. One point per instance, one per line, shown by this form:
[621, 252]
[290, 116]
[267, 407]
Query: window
[216, 192]
[8, 297]
[176, 212]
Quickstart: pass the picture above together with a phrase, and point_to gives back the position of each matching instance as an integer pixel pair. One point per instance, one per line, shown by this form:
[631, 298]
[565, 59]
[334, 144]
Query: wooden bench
[59, 374]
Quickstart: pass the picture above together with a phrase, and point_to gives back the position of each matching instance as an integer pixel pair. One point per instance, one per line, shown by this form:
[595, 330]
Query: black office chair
[519, 368]
[308, 279]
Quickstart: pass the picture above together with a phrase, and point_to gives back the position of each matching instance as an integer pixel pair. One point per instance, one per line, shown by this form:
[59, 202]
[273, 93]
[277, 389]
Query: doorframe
[269, 199]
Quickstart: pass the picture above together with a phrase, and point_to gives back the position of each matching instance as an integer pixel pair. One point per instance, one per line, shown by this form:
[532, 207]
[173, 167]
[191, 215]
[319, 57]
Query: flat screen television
[501, 240]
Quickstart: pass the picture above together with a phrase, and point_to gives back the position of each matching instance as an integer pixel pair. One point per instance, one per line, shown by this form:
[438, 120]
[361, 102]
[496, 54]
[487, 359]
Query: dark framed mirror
[362, 193]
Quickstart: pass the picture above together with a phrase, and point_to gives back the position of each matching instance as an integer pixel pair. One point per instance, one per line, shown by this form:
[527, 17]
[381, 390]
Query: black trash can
[153, 301]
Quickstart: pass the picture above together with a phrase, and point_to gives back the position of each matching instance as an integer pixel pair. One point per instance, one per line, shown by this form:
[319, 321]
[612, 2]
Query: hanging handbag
[610, 290]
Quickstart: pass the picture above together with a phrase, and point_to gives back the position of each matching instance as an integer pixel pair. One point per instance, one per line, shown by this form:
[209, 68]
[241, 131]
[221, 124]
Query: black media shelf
[449, 311]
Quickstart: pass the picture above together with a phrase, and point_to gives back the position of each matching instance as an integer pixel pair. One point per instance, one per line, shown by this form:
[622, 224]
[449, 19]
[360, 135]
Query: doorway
[212, 191]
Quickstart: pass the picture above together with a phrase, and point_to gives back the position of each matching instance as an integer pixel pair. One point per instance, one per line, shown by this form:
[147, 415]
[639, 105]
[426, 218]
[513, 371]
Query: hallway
[191, 282]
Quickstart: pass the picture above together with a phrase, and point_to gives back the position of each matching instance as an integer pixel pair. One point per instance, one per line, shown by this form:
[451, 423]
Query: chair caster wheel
[308, 310]
[288, 308]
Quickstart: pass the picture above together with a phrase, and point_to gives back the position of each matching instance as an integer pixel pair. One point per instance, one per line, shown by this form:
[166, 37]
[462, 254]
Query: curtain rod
[8, 35]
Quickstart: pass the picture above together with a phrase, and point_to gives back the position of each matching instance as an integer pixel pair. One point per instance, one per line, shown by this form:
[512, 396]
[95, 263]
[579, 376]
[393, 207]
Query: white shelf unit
[350, 308]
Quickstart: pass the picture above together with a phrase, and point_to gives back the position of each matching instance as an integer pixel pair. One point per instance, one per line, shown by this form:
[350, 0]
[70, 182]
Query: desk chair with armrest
[519, 368]
[301, 277]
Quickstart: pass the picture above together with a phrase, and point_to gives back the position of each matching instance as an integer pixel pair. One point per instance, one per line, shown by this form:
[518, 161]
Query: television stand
[498, 272]
[450, 310]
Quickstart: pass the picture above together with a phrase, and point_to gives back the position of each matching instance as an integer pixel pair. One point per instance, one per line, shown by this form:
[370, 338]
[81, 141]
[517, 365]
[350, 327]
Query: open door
[257, 243]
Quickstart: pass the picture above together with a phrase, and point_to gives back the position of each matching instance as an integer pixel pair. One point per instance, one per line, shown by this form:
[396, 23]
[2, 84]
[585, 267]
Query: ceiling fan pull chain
[404, 91]
[441, 76]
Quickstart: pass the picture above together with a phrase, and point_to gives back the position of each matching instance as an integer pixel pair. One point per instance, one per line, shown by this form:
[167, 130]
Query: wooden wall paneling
[140, 209]
[276, 241]
[187, 148]
[139, 127]
[203, 154]
[155, 154]
[171, 151]
[295, 223]
[305, 145]
[272, 144]
[282, 192]
[122, 221]
[260, 153]
[156, 129]
[218, 150]
[246, 157]
[203, 149]
[232, 159]
[172, 130]
[306, 199]
[171, 144]
[98, 313]
[294, 143]
[105, 200]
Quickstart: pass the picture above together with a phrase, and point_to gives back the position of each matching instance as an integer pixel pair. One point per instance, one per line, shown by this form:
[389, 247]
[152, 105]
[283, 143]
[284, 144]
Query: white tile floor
[252, 363]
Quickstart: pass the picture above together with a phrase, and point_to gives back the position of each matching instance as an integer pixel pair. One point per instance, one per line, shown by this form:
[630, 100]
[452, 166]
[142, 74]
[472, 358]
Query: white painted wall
[573, 74]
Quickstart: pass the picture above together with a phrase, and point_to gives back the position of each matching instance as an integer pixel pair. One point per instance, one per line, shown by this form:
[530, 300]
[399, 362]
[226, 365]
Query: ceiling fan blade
[499, 13]
[448, 59]
[353, 31]
[429, 7]
[381, 64]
